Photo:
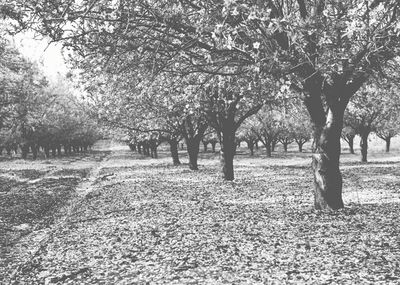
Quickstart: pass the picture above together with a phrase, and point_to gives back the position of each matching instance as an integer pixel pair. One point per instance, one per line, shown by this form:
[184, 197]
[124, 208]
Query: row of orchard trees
[36, 114]
[228, 58]
[375, 109]
[270, 126]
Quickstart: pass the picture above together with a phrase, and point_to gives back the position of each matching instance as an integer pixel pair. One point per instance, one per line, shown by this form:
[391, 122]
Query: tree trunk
[46, 151]
[387, 140]
[250, 145]
[173, 144]
[268, 148]
[192, 146]
[54, 151]
[285, 145]
[351, 144]
[325, 162]
[256, 145]
[24, 151]
[153, 152]
[34, 150]
[213, 144]
[228, 149]
[364, 146]
[350, 141]
[273, 145]
[205, 144]
[300, 144]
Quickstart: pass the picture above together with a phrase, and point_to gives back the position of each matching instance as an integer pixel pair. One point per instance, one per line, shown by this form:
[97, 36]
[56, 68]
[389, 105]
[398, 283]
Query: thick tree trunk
[364, 146]
[256, 145]
[350, 142]
[387, 140]
[173, 144]
[300, 144]
[132, 146]
[228, 149]
[192, 146]
[325, 163]
[285, 145]
[250, 145]
[268, 148]
[273, 145]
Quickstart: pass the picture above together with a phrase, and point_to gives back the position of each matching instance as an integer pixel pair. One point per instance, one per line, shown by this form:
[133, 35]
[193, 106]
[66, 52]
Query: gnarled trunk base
[327, 183]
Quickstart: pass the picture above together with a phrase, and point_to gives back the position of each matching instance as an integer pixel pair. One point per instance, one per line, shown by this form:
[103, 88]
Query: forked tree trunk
[350, 141]
[285, 145]
[192, 146]
[300, 144]
[325, 162]
[364, 146]
[173, 144]
[153, 152]
[250, 145]
[268, 147]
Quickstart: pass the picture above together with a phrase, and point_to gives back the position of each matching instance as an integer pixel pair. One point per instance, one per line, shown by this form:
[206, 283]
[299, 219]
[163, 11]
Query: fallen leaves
[159, 224]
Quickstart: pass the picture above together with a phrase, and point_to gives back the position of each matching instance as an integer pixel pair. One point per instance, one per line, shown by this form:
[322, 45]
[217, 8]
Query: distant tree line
[37, 115]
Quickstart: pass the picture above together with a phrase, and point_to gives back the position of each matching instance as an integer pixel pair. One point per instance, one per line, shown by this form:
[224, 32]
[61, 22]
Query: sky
[49, 57]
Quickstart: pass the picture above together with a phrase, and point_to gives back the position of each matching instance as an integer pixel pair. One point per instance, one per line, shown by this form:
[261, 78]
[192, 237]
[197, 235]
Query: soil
[114, 216]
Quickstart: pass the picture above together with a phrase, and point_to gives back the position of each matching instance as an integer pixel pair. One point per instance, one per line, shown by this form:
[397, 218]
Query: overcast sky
[48, 56]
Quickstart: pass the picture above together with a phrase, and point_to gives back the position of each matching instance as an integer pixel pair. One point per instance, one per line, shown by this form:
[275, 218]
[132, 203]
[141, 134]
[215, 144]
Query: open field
[116, 217]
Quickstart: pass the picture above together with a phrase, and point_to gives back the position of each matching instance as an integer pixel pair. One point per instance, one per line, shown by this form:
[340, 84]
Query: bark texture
[174, 152]
[325, 163]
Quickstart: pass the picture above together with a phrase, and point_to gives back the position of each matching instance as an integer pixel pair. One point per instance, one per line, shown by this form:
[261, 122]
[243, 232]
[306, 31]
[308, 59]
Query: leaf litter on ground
[152, 223]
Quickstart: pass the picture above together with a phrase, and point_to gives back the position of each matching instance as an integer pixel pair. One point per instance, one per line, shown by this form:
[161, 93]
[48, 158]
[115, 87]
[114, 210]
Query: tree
[247, 134]
[267, 126]
[230, 100]
[389, 128]
[348, 135]
[301, 126]
[286, 136]
[325, 50]
[371, 106]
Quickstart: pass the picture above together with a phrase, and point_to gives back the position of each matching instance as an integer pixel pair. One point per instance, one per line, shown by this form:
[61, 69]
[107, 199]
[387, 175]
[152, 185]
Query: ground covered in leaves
[138, 220]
